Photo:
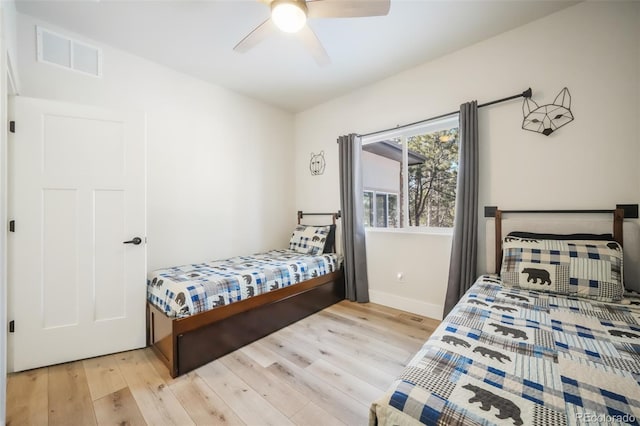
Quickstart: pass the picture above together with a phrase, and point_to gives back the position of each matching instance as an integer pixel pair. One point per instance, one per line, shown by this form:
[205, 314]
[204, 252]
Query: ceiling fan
[291, 16]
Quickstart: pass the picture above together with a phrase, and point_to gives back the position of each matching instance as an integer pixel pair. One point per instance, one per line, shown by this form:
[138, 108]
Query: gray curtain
[351, 190]
[462, 269]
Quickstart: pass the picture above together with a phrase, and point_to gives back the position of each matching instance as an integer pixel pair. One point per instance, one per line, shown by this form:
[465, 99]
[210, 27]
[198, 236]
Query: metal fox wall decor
[548, 118]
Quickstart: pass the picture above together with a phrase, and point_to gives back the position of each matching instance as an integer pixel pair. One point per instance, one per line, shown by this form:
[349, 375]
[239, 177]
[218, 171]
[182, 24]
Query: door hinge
[12, 126]
[12, 326]
[12, 226]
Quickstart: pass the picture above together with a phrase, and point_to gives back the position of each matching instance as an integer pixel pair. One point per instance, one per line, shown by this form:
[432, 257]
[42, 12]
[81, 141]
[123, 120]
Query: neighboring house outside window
[381, 183]
[410, 178]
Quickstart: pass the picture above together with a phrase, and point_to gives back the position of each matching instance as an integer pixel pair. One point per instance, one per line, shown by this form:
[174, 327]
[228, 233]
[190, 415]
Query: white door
[76, 193]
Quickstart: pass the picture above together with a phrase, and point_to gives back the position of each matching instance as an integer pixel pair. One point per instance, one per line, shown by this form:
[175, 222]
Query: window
[410, 176]
[380, 209]
[368, 208]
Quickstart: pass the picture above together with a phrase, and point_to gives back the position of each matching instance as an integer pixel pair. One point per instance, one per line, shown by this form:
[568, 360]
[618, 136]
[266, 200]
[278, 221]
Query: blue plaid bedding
[186, 290]
[510, 356]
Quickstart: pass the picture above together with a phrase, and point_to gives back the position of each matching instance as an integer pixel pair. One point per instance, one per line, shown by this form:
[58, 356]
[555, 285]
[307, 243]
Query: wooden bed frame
[184, 344]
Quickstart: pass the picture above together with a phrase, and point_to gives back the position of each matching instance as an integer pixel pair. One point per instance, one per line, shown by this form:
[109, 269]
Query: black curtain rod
[630, 211]
[525, 94]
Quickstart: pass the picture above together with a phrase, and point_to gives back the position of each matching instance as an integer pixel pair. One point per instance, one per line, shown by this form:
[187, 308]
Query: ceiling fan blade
[261, 32]
[313, 45]
[347, 8]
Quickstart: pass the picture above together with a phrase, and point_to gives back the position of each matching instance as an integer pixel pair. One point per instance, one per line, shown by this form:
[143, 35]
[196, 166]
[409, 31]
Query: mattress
[189, 289]
[519, 357]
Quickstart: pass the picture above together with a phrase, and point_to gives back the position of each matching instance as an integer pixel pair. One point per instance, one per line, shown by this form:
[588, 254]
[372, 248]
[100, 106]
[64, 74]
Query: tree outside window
[432, 185]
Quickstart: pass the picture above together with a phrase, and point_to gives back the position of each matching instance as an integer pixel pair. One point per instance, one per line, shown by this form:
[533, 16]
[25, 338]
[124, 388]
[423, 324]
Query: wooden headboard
[621, 212]
[334, 217]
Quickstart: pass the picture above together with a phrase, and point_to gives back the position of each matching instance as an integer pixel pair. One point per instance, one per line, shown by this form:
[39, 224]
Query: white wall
[591, 48]
[219, 172]
[402, 281]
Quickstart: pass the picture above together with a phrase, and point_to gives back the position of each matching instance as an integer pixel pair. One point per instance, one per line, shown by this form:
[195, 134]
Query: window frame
[404, 134]
[374, 207]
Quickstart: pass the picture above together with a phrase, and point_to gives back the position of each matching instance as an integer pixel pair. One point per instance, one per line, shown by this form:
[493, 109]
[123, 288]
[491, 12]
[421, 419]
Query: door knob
[135, 241]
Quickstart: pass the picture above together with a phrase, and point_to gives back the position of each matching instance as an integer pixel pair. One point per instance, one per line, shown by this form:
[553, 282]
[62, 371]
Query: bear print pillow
[591, 269]
[307, 239]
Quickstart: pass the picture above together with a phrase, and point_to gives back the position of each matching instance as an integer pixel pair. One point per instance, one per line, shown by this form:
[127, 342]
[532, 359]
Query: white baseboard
[430, 310]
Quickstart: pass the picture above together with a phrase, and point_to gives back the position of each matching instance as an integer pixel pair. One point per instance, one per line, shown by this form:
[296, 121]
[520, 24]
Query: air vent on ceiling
[63, 51]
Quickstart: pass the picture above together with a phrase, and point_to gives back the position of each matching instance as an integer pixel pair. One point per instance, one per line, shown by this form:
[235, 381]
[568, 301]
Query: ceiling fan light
[290, 17]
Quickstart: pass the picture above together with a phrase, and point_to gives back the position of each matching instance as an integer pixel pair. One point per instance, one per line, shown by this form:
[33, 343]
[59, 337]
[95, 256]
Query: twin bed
[197, 313]
[553, 340]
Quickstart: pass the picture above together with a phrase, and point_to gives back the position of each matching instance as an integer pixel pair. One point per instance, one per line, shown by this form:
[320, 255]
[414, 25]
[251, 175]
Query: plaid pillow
[309, 239]
[591, 269]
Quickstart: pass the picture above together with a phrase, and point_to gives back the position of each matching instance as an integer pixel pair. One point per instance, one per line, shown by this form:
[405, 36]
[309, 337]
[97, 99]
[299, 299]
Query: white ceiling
[197, 38]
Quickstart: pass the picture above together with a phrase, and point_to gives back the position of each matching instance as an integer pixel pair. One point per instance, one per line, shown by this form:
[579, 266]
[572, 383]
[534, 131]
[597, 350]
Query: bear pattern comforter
[186, 290]
[510, 356]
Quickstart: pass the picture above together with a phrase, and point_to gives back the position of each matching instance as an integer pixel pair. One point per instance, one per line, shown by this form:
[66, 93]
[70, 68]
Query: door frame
[8, 87]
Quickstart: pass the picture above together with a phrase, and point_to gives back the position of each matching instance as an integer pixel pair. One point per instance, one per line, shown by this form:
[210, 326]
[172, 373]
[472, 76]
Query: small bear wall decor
[317, 163]
[548, 118]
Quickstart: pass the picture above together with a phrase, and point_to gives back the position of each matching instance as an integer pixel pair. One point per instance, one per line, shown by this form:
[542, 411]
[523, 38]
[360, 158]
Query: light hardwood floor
[323, 370]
